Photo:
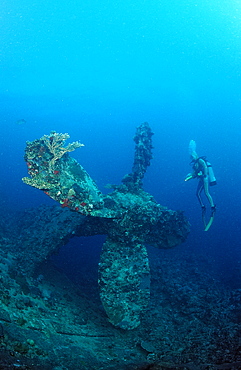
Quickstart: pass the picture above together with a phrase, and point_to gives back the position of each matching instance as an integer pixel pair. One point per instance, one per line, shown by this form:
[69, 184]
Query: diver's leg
[200, 188]
[206, 191]
[210, 199]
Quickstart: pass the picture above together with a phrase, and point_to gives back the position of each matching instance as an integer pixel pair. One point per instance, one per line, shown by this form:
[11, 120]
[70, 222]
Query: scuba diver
[202, 169]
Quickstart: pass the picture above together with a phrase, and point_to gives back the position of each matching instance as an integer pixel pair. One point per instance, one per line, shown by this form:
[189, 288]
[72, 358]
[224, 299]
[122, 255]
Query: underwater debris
[129, 217]
[60, 176]
[142, 156]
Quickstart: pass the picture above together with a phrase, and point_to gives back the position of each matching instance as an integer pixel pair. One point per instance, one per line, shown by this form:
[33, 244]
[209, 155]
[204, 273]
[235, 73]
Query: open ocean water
[97, 70]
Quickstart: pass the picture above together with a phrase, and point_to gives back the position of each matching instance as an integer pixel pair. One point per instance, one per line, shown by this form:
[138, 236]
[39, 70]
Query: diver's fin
[207, 227]
[204, 216]
[209, 224]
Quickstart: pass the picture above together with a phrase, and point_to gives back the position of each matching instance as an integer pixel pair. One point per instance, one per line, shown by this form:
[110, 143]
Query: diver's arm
[190, 176]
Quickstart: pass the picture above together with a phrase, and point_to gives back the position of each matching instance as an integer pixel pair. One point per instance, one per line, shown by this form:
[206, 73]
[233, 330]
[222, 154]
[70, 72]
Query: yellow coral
[37, 182]
[55, 144]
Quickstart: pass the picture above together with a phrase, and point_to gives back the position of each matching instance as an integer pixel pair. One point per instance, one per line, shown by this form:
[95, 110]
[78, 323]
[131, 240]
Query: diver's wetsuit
[201, 171]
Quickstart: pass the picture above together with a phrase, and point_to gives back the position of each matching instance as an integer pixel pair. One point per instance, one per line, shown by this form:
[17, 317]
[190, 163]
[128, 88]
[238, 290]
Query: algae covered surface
[128, 215]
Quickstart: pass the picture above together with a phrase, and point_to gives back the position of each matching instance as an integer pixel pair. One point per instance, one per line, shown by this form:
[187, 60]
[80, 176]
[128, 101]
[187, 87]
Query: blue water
[97, 69]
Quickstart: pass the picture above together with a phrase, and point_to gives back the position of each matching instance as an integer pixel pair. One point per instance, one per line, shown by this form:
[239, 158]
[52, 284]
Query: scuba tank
[212, 178]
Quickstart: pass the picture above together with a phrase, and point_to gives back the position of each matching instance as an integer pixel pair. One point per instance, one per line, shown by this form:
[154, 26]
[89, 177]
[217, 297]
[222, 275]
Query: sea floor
[48, 322]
